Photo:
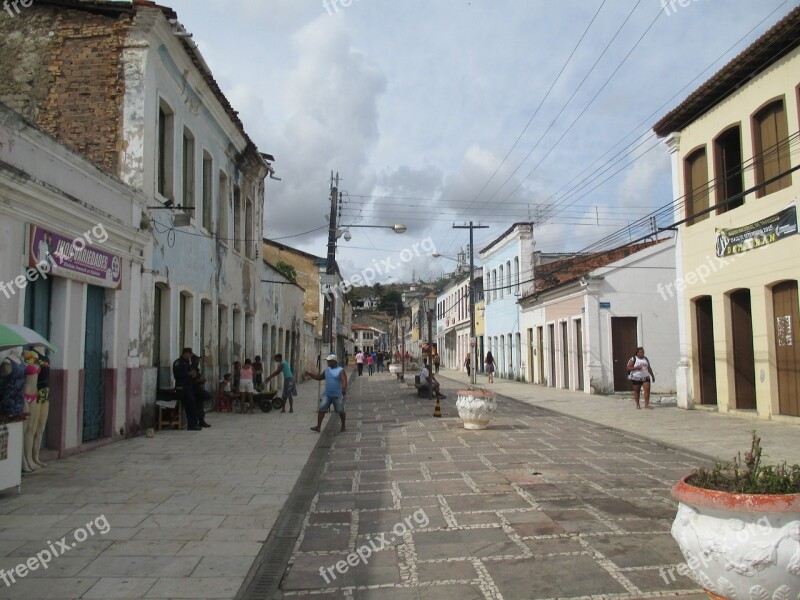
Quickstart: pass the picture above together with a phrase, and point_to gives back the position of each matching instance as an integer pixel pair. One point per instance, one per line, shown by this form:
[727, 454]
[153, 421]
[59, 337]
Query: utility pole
[329, 310]
[473, 342]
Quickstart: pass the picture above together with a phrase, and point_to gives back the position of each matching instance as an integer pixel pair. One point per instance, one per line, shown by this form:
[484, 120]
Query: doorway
[540, 352]
[551, 331]
[787, 354]
[93, 366]
[579, 352]
[744, 369]
[623, 346]
[565, 355]
[706, 358]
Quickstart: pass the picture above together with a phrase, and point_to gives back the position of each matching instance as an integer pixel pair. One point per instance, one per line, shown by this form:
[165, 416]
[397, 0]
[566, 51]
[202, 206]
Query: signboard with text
[730, 242]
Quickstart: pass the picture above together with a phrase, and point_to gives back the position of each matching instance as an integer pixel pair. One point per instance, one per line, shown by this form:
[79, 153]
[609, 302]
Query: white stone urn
[476, 408]
[739, 546]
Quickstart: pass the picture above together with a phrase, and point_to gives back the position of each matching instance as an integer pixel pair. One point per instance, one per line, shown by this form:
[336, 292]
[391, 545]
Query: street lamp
[430, 308]
[397, 228]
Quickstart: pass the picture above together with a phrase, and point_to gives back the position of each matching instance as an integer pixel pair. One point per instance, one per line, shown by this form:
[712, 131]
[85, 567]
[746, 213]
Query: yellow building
[734, 146]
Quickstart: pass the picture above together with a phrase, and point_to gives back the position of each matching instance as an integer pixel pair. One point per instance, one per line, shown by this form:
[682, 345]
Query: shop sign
[774, 228]
[79, 258]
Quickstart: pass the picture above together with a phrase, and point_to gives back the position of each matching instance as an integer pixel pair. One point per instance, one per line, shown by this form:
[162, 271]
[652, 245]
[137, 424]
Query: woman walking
[490, 366]
[640, 374]
[468, 364]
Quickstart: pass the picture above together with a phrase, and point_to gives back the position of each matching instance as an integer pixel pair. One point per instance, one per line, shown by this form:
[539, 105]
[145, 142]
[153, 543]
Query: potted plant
[738, 525]
[476, 407]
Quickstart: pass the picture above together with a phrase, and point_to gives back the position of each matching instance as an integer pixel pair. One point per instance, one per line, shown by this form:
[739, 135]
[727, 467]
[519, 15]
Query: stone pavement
[186, 513]
[703, 431]
[541, 505]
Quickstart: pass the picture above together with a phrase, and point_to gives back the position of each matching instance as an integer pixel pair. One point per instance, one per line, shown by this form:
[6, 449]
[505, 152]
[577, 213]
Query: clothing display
[12, 385]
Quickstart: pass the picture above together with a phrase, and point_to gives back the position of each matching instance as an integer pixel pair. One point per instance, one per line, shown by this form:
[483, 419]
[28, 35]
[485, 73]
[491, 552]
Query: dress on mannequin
[43, 400]
[31, 393]
[12, 384]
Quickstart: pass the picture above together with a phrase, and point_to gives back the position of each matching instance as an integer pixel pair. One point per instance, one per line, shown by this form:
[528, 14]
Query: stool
[170, 416]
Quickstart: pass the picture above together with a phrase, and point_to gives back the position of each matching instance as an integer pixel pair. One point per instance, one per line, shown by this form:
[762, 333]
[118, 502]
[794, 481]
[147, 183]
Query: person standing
[370, 363]
[246, 385]
[335, 391]
[380, 362]
[360, 362]
[258, 373]
[436, 363]
[181, 371]
[289, 386]
[640, 374]
[490, 366]
[468, 364]
[200, 394]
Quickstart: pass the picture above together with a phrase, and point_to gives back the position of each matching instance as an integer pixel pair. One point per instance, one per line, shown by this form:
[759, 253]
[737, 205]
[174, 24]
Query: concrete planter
[476, 408]
[740, 546]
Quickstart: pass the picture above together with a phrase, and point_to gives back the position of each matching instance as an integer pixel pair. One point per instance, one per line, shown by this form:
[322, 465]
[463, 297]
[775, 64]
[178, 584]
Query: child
[370, 362]
[228, 395]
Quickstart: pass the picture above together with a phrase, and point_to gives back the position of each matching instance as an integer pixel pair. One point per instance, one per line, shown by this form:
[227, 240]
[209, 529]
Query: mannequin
[31, 394]
[12, 382]
[43, 400]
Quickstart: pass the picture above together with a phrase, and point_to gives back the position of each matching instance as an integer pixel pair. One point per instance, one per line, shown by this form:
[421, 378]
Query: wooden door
[565, 355]
[551, 330]
[706, 358]
[93, 366]
[623, 346]
[787, 353]
[579, 352]
[743, 355]
[540, 352]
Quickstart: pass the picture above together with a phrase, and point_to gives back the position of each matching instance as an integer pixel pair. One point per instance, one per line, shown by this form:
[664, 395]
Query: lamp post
[473, 343]
[430, 307]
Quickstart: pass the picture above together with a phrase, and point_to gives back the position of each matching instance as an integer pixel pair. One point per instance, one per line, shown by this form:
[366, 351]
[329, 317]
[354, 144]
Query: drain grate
[265, 576]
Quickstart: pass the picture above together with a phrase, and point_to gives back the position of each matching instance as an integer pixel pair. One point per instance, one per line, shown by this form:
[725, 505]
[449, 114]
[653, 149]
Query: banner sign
[767, 231]
[80, 258]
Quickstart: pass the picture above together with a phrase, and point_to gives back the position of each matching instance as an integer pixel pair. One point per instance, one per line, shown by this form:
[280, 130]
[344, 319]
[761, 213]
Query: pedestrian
[258, 373]
[335, 391]
[201, 395]
[360, 362]
[237, 369]
[289, 386]
[468, 364]
[370, 362]
[489, 365]
[641, 374]
[246, 386]
[407, 356]
[181, 371]
[380, 362]
[436, 362]
[428, 381]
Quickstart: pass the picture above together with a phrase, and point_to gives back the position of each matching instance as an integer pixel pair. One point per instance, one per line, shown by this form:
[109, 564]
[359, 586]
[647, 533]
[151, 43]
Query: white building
[588, 314]
[88, 303]
[453, 321]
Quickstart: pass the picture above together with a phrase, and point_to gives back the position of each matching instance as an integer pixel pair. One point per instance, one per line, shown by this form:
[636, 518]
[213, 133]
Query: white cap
[331, 357]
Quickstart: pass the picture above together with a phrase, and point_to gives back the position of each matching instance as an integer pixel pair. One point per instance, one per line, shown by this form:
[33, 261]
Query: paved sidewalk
[187, 512]
[706, 432]
[539, 506]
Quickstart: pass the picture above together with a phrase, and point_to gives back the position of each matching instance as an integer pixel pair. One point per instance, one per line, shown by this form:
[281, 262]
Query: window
[208, 189]
[166, 150]
[509, 281]
[500, 281]
[516, 275]
[187, 181]
[248, 230]
[728, 168]
[237, 219]
[696, 188]
[223, 206]
[771, 151]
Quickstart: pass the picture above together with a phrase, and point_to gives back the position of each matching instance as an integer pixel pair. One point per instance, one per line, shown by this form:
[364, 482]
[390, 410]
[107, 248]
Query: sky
[443, 112]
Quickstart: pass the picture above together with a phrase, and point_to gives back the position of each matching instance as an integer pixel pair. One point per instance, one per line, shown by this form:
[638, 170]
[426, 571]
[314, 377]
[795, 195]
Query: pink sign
[75, 258]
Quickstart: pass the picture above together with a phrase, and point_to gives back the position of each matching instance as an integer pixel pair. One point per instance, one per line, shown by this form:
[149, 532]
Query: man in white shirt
[427, 380]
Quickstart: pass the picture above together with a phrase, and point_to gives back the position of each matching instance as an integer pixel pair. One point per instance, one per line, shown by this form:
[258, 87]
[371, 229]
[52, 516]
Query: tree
[391, 300]
[287, 271]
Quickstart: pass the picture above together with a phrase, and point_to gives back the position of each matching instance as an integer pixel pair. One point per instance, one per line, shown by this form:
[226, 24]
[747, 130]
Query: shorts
[289, 388]
[246, 386]
[326, 401]
[638, 382]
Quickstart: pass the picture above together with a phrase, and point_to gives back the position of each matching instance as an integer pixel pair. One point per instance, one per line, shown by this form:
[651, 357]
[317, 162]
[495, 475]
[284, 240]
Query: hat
[331, 357]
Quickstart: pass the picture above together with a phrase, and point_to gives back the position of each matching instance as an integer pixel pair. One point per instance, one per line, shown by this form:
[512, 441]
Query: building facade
[588, 314]
[734, 145]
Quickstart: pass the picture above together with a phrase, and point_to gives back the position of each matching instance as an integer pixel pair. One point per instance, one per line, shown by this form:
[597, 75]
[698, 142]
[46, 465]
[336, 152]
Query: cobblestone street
[538, 506]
